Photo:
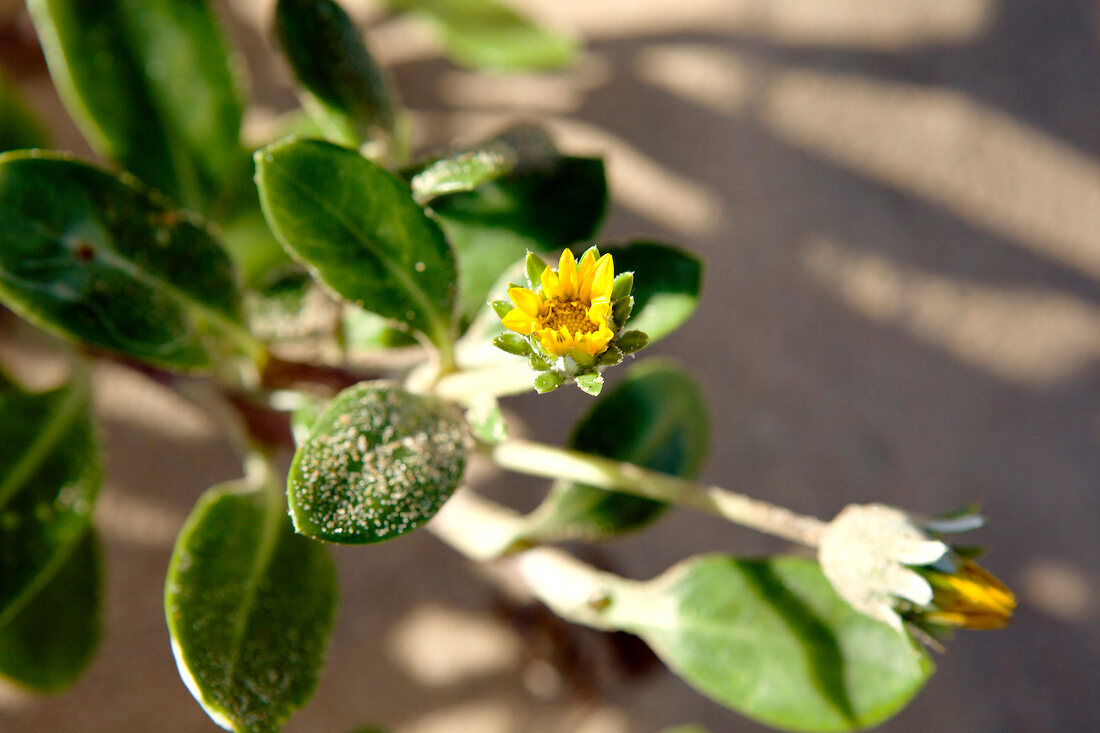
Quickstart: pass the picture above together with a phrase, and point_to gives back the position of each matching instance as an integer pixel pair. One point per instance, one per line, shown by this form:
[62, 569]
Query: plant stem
[538, 459]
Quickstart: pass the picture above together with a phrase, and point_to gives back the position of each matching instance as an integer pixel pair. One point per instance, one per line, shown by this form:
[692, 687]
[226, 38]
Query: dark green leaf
[358, 228]
[97, 259]
[378, 463]
[771, 639]
[47, 644]
[487, 34]
[49, 477]
[656, 418]
[249, 606]
[348, 93]
[493, 226]
[19, 128]
[150, 85]
[666, 285]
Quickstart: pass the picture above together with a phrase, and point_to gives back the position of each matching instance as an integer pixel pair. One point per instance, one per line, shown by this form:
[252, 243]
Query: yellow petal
[550, 284]
[567, 276]
[584, 275]
[603, 281]
[595, 343]
[599, 311]
[526, 300]
[520, 322]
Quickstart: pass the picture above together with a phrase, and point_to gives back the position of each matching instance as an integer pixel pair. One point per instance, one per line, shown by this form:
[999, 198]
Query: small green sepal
[632, 341]
[623, 285]
[501, 308]
[534, 265]
[548, 382]
[513, 343]
[538, 362]
[620, 310]
[590, 382]
[611, 357]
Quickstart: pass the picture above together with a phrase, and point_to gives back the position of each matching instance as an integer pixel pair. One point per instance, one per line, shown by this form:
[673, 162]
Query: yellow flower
[971, 597]
[571, 309]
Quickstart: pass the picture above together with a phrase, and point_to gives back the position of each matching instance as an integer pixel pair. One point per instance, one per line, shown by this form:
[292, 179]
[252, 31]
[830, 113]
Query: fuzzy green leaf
[95, 258]
[378, 463]
[348, 94]
[358, 229]
[488, 34]
[657, 418]
[150, 86]
[249, 605]
[772, 640]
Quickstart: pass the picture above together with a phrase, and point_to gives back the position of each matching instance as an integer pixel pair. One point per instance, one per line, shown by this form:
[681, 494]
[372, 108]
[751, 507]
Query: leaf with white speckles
[249, 606]
[378, 463]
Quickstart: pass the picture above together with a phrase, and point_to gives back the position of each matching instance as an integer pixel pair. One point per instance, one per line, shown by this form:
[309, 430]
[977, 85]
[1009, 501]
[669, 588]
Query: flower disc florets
[571, 308]
[569, 321]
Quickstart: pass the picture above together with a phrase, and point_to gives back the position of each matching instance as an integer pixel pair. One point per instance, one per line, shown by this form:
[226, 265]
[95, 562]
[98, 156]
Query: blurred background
[899, 206]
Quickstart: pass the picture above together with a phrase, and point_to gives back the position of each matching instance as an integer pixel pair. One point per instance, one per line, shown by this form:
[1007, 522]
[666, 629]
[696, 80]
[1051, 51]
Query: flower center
[573, 314]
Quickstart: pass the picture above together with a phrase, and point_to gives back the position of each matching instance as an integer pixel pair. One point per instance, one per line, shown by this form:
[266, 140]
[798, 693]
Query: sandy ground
[899, 204]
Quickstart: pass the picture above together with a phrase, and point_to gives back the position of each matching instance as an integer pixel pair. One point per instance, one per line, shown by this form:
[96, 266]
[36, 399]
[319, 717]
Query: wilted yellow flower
[892, 567]
[971, 597]
[571, 309]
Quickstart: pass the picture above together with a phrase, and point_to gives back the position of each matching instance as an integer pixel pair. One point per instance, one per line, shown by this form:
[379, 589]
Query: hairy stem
[538, 459]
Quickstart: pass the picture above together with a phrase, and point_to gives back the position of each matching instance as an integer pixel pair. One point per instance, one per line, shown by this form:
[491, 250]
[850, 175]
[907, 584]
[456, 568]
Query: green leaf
[667, 281]
[656, 418]
[19, 127]
[357, 227]
[49, 478]
[544, 211]
[487, 34]
[347, 94]
[249, 606]
[772, 640]
[95, 258]
[47, 644]
[520, 148]
[150, 86]
[378, 463]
